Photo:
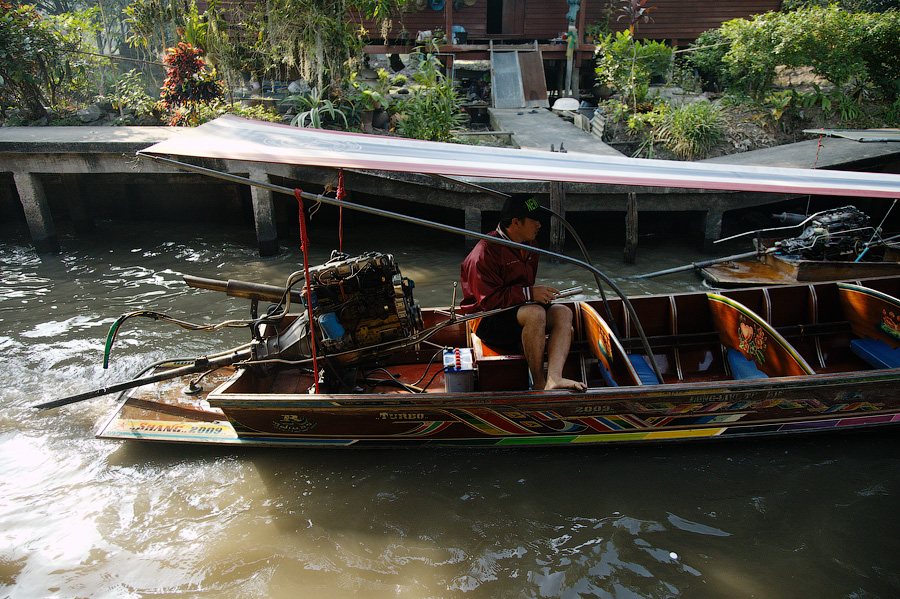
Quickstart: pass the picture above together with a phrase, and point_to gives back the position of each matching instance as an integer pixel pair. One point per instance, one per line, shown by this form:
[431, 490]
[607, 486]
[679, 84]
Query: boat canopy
[234, 138]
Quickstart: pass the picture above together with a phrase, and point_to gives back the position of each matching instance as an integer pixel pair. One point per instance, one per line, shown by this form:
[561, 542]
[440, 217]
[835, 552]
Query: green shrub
[613, 59]
[848, 5]
[34, 59]
[879, 50]
[130, 92]
[692, 130]
[707, 55]
[844, 48]
[754, 54]
[615, 53]
[208, 112]
[432, 110]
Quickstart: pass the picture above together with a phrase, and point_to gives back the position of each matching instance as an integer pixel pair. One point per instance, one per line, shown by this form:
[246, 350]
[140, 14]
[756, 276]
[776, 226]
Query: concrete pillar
[558, 205]
[264, 214]
[473, 223]
[712, 229]
[631, 228]
[37, 212]
[82, 220]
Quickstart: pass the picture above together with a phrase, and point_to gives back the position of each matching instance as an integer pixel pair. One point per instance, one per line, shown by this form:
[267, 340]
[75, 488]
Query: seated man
[497, 276]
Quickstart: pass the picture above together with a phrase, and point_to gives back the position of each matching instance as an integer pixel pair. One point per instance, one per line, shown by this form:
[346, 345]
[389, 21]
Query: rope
[304, 245]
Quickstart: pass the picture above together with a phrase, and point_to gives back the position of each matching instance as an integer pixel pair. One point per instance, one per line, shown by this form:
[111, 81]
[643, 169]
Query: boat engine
[838, 234]
[358, 304]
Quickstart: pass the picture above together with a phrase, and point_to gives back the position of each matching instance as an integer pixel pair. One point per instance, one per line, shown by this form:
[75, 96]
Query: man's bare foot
[565, 384]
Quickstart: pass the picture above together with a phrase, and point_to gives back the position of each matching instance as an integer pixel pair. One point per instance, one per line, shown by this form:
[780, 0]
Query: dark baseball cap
[523, 205]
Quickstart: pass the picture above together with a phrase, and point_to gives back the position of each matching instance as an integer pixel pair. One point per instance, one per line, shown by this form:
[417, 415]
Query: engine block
[362, 301]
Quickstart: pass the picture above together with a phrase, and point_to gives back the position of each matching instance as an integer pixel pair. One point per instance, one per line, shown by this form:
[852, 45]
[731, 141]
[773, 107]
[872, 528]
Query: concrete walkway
[826, 152]
[89, 140]
[539, 129]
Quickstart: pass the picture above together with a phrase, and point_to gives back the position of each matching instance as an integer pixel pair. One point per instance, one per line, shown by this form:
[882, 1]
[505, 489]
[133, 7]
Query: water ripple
[81, 517]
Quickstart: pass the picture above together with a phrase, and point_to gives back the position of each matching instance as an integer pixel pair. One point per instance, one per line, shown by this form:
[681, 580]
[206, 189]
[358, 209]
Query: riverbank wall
[80, 174]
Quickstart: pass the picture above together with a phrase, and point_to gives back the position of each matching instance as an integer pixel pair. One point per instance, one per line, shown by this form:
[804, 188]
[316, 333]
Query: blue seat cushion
[743, 368]
[643, 369]
[876, 353]
[607, 375]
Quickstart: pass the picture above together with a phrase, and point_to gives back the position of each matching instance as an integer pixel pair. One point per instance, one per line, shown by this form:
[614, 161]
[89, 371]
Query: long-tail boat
[835, 245]
[345, 356]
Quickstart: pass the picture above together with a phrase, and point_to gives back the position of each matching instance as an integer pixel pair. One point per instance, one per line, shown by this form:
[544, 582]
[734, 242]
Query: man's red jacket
[496, 276]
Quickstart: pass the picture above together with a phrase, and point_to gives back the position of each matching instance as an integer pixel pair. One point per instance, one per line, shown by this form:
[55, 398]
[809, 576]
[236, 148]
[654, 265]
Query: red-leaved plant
[187, 83]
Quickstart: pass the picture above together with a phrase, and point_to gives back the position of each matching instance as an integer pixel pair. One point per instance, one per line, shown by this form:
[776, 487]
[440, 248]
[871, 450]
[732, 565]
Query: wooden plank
[534, 84]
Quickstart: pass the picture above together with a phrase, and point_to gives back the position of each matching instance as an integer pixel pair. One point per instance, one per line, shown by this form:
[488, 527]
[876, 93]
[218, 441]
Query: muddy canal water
[81, 517]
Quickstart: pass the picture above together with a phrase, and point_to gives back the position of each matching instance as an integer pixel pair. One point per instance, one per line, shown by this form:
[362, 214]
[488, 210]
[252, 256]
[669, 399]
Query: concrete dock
[49, 173]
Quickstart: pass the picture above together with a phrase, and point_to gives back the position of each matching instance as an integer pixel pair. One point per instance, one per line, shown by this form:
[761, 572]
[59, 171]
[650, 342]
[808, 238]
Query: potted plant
[371, 97]
[595, 31]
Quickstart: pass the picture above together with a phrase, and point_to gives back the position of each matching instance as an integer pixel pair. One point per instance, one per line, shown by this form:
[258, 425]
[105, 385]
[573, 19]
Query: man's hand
[543, 294]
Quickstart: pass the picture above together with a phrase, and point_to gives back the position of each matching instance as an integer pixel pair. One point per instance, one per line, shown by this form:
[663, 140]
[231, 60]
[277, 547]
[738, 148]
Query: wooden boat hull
[697, 400]
[673, 413]
[775, 269]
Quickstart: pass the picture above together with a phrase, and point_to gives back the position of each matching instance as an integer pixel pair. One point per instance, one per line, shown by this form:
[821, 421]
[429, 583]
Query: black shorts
[502, 329]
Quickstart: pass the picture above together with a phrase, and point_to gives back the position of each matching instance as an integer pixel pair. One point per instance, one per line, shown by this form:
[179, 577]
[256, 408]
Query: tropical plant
[369, 95]
[187, 84]
[816, 98]
[432, 110]
[635, 12]
[628, 65]
[782, 102]
[598, 28]
[32, 59]
[151, 24]
[194, 28]
[849, 109]
[611, 59]
[317, 107]
[312, 36]
[131, 93]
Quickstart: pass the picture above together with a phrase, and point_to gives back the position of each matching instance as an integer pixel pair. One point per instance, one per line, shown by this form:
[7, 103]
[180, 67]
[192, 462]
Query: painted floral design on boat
[752, 340]
[889, 324]
[605, 345]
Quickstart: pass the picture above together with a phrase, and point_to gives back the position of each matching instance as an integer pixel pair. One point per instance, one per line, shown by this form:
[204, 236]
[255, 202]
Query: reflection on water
[81, 517]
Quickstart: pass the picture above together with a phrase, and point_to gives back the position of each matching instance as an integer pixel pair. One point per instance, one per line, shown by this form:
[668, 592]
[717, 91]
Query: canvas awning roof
[234, 138]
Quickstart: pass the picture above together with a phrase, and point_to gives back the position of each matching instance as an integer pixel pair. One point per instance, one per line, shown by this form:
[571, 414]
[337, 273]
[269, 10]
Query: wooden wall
[682, 21]
[523, 19]
[675, 20]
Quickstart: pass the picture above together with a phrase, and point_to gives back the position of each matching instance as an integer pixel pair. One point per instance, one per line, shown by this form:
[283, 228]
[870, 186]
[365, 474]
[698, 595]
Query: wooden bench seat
[616, 367]
[873, 320]
[746, 337]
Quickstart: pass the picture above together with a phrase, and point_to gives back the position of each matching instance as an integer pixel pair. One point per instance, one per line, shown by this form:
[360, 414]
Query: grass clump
[691, 130]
